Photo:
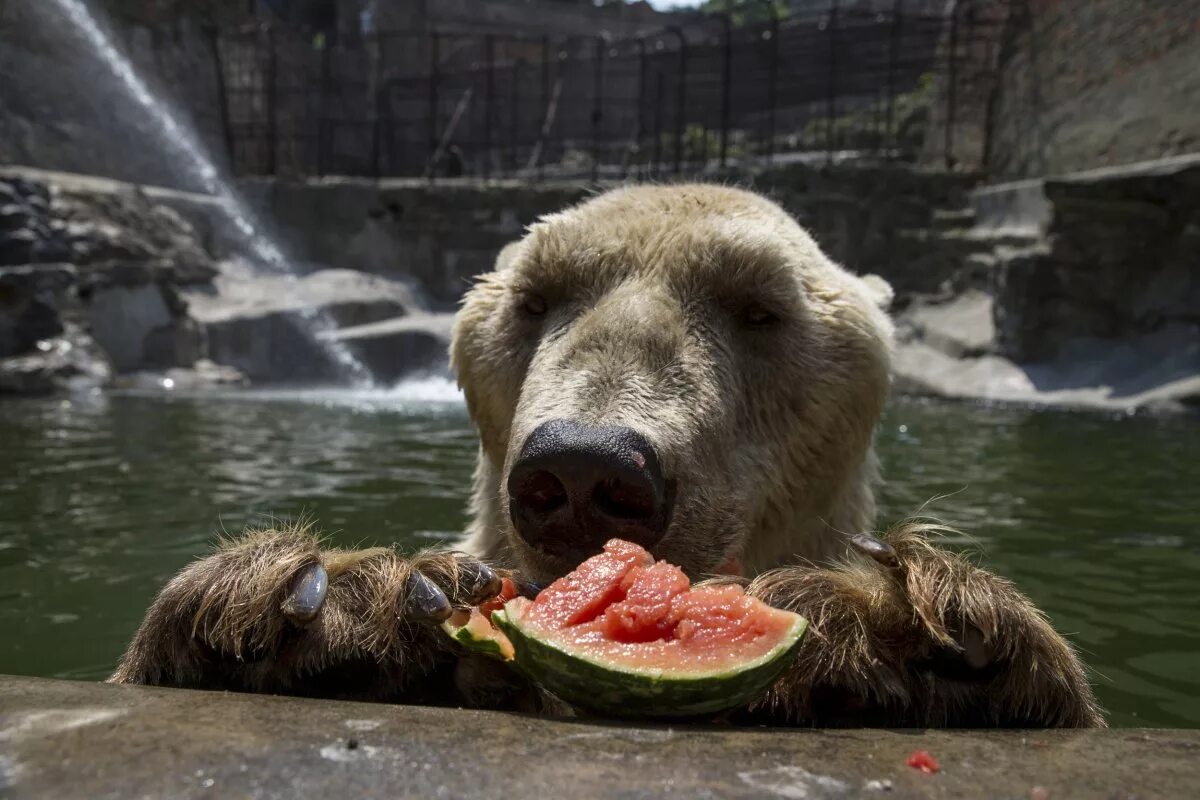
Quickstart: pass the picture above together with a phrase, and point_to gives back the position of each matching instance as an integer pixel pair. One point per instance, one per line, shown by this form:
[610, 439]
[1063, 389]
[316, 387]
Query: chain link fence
[680, 101]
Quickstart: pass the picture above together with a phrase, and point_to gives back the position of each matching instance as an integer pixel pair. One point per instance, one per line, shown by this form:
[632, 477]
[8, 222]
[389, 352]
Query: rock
[71, 362]
[394, 348]
[14, 217]
[30, 302]
[959, 327]
[1027, 301]
[123, 317]
[1013, 206]
[19, 247]
[268, 327]
[204, 374]
[1094, 281]
[952, 218]
[128, 256]
[1159, 372]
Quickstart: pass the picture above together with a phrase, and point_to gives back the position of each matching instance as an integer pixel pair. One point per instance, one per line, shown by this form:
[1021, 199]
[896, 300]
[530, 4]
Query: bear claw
[880, 551]
[483, 581]
[307, 594]
[426, 600]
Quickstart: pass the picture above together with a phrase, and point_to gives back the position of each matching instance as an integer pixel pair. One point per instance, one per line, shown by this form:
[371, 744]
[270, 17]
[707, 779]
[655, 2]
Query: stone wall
[877, 218]
[1059, 290]
[1090, 83]
[871, 217]
[438, 236]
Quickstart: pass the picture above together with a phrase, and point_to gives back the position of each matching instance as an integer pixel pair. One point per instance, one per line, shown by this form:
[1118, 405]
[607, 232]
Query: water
[102, 500]
[179, 142]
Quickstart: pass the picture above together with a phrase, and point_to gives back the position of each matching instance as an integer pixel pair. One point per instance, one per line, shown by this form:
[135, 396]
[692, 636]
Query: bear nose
[573, 487]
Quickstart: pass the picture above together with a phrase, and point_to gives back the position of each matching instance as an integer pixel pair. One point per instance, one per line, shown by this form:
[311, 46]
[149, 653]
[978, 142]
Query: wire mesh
[682, 100]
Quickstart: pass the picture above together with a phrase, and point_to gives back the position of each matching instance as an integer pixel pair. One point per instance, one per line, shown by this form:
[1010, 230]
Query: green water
[101, 500]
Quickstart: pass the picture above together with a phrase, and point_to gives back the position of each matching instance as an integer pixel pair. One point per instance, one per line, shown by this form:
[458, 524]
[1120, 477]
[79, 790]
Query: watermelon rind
[488, 646]
[622, 691]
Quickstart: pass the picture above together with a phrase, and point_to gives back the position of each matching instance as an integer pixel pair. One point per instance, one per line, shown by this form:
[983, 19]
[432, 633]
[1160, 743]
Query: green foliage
[863, 129]
[746, 12]
[700, 144]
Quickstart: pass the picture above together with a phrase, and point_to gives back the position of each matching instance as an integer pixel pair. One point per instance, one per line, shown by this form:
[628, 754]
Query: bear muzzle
[573, 487]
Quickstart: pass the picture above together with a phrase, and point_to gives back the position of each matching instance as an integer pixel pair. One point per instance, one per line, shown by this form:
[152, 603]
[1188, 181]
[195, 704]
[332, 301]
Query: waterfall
[179, 140]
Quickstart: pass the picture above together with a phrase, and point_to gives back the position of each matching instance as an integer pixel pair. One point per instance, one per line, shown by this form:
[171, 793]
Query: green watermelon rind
[617, 690]
[463, 635]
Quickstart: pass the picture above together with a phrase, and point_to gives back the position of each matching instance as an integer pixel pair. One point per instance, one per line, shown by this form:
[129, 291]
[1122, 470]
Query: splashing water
[201, 168]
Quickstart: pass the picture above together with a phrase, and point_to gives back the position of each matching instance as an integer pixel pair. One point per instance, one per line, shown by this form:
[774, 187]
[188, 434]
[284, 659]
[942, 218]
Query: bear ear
[879, 290]
[507, 256]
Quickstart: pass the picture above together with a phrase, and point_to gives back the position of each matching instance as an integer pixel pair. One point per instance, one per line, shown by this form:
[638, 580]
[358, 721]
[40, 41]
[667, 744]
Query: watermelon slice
[625, 636]
[473, 627]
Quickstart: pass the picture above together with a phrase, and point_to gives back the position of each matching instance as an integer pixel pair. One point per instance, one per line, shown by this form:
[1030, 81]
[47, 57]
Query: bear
[683, 367]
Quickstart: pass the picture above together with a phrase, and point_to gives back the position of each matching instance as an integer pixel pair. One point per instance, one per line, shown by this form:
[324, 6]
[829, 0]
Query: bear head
[677, 365]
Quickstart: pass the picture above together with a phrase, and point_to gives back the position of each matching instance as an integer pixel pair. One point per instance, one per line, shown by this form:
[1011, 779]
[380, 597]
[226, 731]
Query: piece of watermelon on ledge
[625, 636]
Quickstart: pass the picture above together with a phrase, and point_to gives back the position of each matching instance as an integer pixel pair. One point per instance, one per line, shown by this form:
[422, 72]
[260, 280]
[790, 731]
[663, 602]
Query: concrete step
[1018, 206]
[945, 219]
[269, 327]
[395, 348]
[963, 243]
[960, 327]
[68, 739]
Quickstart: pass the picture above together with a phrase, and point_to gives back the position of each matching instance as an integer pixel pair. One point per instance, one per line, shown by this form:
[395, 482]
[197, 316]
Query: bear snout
[573, 487]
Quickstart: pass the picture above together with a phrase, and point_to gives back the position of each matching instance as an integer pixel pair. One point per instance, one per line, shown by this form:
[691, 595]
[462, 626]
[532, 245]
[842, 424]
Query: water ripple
[101, 501]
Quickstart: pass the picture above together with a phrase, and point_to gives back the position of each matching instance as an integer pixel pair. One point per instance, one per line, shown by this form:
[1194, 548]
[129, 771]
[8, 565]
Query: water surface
[103, 499]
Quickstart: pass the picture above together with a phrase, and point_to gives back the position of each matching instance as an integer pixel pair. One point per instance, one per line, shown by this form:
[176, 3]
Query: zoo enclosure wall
[390, 103]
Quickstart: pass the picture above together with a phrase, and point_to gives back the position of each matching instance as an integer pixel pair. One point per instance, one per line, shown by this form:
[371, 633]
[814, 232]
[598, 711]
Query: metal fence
[445, 103]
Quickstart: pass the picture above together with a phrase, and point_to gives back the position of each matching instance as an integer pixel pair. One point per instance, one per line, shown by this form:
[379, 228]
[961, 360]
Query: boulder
[961, 326]
[71, 362]
[102, 260]
[31, 298]
[276, 328]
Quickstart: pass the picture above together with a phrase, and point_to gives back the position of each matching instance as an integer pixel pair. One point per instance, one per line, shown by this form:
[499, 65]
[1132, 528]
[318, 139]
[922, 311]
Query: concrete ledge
[1016, 206]
[67, 739]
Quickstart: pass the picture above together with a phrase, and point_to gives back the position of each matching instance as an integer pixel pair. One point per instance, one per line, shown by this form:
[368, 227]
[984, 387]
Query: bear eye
[533, 304]
[756, 315]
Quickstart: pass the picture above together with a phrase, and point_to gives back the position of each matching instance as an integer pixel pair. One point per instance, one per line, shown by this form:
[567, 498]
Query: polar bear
[680, 366]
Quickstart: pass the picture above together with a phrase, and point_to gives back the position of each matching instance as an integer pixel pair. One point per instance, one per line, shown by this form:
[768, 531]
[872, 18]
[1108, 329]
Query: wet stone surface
[67, 739]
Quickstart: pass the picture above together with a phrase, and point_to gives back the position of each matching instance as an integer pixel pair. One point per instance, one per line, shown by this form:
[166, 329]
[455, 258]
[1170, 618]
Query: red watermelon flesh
[623, 609]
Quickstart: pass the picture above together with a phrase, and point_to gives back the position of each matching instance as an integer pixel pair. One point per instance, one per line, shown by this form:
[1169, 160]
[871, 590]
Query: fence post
[971, 78]
[597, 108]
[272, 108]
[831, 89]
[214, 35]
[640, 131]
[658, 101]
[545, 97]
[726, 80]
[377, 109]
[435, 56]
[514, 111]
[681, 96]
[772, 81]
[489, 104]
[951, 88]
[323, 110]
[893, 56]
